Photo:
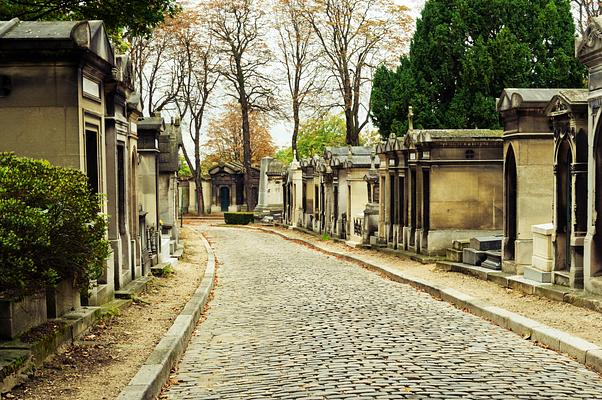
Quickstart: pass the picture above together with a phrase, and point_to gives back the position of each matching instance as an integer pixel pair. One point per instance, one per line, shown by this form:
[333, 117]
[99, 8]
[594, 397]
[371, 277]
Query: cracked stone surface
[288, 322]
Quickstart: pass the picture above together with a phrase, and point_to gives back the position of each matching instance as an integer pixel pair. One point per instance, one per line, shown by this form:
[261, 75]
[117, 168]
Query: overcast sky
[282, 131]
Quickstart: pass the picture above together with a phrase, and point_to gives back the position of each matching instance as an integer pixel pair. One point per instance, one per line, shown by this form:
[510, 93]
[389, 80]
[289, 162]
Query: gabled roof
[275, 167]
[525, 98]
[17, 35]
[568, 100]
[230, 167]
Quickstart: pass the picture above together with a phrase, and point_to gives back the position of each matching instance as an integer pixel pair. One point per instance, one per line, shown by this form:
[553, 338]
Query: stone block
[523, 253]
[493, 261]
[485, 243]
[473, 257]
[454, 255]
[593, 359]
[460, 244]
[62, 299]
[17, 317]
[576, 347]
[542, 264]
[534, 274]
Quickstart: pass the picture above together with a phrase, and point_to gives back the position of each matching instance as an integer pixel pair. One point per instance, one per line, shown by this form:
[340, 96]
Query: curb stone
[149, 380]
[584, 352]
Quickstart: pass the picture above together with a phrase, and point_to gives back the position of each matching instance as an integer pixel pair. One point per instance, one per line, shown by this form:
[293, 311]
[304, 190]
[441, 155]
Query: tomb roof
[575, 95]
[17, 35]
[231, 167]
[426, 135]
[354, 156]
[151, 123]
[275, 167]
[525, 98]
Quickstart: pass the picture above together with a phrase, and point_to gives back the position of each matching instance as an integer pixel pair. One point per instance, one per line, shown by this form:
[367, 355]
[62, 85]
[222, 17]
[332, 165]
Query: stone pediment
[588, 48]
[410, 140]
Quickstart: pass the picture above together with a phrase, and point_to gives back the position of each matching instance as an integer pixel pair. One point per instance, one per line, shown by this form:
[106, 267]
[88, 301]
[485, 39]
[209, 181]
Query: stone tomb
[528, 171]
[589, 52]
[568, 112]
[439, 161]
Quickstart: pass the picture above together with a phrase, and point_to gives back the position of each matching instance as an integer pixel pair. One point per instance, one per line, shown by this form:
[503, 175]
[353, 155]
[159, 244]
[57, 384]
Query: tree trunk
[295, 128]
[246, 137]
[200, 209]
[199, 194]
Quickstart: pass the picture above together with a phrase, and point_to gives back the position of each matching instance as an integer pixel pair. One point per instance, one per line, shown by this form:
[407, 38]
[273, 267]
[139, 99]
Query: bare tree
[156, 76]
[238, 28]
[196, 56]
[299, 53]
[357, 35]
[584, 11]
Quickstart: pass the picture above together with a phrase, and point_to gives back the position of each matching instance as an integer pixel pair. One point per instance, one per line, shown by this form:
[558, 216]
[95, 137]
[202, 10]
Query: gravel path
[288, 322]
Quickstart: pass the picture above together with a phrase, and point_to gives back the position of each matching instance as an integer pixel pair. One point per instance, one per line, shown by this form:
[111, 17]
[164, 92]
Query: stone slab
[473, 257]
[484, 243]
[536, 275]
[460, 244]
[542, 264]
[454, 255]
[493, 260]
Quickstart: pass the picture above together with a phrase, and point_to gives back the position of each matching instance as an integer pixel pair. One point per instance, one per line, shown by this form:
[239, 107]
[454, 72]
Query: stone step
[453, 255]
[133, 288]
[178, 253]
[493, 261]
[473, 257]
[484, 243]
[160, 269]
[460, 244]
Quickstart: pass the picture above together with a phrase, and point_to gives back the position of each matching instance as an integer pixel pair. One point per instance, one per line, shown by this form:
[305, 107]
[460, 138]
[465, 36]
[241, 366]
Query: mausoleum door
[510, 204]
[391, 207]
[413, 207]
[224, 192]
[426, 206]
[564, 208]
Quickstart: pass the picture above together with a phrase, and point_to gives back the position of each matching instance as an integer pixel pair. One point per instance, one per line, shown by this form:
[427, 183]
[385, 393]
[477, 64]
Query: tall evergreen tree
[463, 54]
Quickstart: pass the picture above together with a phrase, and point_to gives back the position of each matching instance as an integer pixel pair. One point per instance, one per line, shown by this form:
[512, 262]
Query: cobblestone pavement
[290, 323]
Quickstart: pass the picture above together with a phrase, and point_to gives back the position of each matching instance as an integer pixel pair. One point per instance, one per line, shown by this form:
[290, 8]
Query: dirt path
[577, 321]
[104, 360]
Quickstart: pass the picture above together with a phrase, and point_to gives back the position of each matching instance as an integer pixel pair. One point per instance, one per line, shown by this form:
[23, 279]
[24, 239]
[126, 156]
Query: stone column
[263, 184]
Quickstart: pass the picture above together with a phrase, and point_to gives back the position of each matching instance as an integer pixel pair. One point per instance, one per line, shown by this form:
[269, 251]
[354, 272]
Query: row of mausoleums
[67, 98]
[529, 197]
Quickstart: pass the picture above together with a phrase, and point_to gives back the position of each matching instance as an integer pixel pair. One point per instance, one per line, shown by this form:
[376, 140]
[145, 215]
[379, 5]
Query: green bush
[50, 227]
[238, 218]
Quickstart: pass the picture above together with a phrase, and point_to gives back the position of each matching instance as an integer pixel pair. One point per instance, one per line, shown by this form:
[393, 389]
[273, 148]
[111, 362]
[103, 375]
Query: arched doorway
[510, 204]
[224, 196]
[564, 198]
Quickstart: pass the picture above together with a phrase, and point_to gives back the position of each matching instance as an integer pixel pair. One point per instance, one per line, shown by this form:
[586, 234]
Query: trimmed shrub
[239, 218]
[50, 227]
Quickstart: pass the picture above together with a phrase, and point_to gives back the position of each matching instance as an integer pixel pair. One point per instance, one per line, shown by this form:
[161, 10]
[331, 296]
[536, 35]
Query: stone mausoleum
[439, 185]
[65, 97]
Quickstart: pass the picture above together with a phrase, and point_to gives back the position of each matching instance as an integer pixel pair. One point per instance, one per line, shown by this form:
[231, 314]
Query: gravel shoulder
[577, 321]
[102, 362]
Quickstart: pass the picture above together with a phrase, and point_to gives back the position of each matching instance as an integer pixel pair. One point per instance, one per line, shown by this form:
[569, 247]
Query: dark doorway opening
[224, 195]
[413, 208]
[426, 206]
[564, 207]
[92, 160]
[510, 211]
[391, 207]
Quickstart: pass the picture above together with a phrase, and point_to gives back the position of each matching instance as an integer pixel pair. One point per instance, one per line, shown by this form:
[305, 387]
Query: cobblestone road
[290, 323]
